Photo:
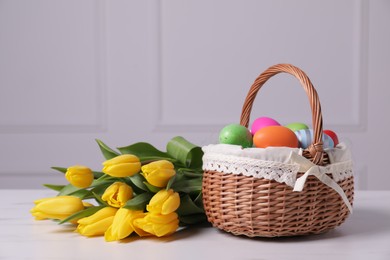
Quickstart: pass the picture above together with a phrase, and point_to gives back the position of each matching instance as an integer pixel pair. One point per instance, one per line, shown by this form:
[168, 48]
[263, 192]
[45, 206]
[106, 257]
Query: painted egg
[332, 135]
[261, 122]
[297, 126]
[305, 137]
[236, 134]
[275, 135]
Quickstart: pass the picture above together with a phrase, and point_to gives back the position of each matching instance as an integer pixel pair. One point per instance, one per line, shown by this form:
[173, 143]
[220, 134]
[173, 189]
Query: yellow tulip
[164, 202]
[59, 207]
[98, 223]
[158, 173]
[122, 166]
[87, 204]
[158, 224]
[117, 194]
[79, 176]
[122, 225]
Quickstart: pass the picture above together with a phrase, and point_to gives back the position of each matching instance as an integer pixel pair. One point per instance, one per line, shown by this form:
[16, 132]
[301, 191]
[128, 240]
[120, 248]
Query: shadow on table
[361, 223]
[182, 233]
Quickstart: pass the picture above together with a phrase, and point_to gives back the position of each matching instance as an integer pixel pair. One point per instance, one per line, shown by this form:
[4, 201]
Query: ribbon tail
[315, 170]
[332, 184]
[300, 182]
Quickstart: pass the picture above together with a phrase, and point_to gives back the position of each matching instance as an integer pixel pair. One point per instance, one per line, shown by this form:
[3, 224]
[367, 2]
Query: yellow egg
[275, 136]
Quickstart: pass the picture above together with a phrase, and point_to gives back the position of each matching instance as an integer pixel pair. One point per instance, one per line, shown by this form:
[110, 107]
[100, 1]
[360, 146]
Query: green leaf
[104, 178]
[145, 152]
[97, 175]
[191, 173]
[185, 152]
[139, 202]
[99, 199]
[54, 187]
[103, 181]
[199, 200]
[67, 190]
[82, 214]
[187, 186]
[108, 153]
[82, 194]
[151, 187]
[192, 219]
[60, 169]
[138, 181]
[188, 207]
[170, 182]
[101, 188]
[71, 190]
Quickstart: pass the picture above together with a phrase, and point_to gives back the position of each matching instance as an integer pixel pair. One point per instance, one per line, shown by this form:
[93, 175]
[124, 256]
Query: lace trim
[270, 170]
[340, 171]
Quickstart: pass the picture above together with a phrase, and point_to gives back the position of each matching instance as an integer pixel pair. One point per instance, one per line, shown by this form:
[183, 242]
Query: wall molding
[101, 88]
[360, 72]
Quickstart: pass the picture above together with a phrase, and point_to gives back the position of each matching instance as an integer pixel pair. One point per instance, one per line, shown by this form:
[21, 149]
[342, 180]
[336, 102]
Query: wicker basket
[252, 206]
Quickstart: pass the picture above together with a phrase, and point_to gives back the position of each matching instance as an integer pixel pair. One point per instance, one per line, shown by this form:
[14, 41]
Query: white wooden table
[365, 235]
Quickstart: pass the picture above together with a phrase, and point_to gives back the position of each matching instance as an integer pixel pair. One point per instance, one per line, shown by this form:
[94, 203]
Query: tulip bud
[158, 224]
[158, 173]
[117, 194]
[59, 207]
[122, 166]
[79, 176]
[98, 223]
[122, 225]
[164, 202]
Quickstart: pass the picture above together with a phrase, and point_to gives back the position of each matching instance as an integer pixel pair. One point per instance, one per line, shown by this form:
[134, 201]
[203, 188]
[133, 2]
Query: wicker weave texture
[254, 207]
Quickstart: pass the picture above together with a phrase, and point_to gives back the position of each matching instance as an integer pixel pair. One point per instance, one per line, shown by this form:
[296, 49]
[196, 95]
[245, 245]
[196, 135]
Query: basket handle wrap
[316, 149]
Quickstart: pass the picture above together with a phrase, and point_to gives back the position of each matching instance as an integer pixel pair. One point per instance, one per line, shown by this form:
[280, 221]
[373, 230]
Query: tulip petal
[143, 224]
[171, 204]
[108, 236]
[59, 207]
[97, 228]
[122, 225]
[117, 194]
[124, 158]
[101, 214]
[161, 219]
[166, 229]
[158, 173]
[122, 170]
[79, 176]
[164, 202]
[157, 224]
[160, 197]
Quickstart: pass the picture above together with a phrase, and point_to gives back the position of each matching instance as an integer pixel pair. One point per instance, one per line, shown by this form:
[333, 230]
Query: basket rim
[283, 168]
[340, 153]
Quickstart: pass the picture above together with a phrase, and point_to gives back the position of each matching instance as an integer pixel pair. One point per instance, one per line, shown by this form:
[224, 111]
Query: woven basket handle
[315, 150]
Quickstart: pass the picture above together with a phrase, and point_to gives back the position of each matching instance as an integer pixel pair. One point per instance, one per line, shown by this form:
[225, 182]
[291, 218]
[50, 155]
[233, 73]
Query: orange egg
[275, 136]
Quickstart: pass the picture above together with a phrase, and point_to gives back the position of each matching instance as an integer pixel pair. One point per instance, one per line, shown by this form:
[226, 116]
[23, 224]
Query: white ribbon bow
[318, 171]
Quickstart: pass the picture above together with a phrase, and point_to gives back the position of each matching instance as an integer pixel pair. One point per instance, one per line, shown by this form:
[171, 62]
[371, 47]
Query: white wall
[127, 71]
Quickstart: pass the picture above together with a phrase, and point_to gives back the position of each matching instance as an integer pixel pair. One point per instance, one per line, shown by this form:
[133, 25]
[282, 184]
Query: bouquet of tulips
[140, 190]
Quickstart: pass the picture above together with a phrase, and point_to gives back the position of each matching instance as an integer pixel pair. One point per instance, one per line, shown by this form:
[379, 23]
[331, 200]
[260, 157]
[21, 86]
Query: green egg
[297, 126]
[236, 134]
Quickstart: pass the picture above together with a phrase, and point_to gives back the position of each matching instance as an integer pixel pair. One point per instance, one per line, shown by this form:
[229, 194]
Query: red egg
[332, 135]
[275, 136]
